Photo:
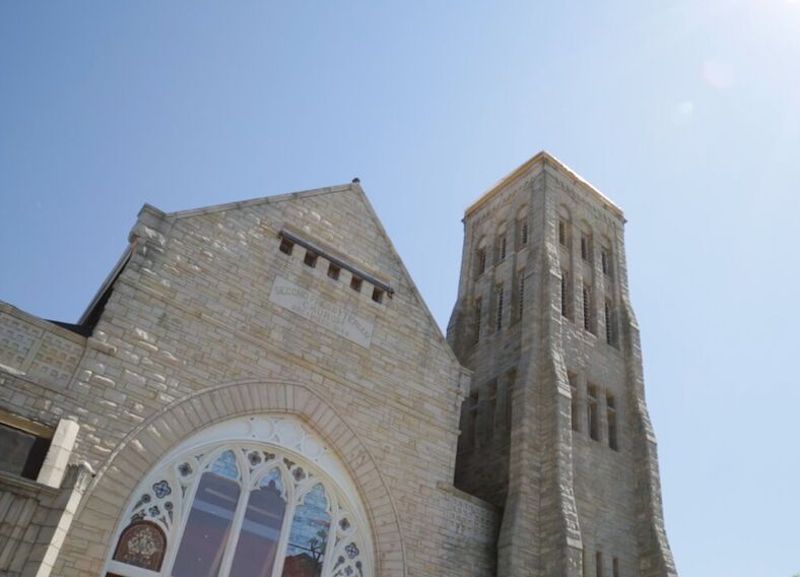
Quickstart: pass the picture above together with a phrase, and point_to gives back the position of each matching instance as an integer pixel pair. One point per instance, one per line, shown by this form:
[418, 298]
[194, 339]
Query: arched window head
[252, 497]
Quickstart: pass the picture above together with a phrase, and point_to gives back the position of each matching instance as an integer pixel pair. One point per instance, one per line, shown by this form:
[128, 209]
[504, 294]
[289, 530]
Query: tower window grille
[609, 322]
[587, 307]
[501, 247]
[478, 312]
[521, 295]
[564, 299]
[523, 235]
[499, 315]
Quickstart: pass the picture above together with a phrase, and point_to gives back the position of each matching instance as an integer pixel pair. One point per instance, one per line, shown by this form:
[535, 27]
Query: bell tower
[555, 430]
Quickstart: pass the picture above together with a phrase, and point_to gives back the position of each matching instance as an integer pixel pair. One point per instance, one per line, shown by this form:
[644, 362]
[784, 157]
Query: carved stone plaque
[321, 311]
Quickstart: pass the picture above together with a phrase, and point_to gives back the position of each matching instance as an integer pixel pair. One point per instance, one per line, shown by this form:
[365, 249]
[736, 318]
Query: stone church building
[259, 390]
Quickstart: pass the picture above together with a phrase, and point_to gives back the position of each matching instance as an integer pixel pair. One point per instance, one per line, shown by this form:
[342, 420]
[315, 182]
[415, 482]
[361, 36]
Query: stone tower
[555, 430]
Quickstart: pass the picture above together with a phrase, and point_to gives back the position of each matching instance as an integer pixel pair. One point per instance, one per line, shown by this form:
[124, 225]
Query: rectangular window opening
[521, 294]
[377, 295]
[605, 261]
[480, 261]
[562, 233]
[286, 246]
[586, 248]
[21, 453]
[598, 564]
[615, 567]
[564, 288]
[524, 234]
[355, 283]
[310, 259]
[333, 271]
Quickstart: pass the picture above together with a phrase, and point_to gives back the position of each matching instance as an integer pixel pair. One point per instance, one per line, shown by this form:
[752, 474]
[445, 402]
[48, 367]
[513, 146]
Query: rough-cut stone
[207, 319]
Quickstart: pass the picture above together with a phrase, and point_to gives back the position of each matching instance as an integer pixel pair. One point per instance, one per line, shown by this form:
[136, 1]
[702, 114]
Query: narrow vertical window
[611, 417]
[521, 293]
[586, 247]
[605, 261]
[562, 233]
[573, 389]
[480, 261]
[377, 295]
[355, 283]
[501, 247]
[564, 286]
[524, 233]
[499, 315]
[478, 312]
[593, 417]
[611, 329]
[615, 567]
[598, 564]
[587, 307]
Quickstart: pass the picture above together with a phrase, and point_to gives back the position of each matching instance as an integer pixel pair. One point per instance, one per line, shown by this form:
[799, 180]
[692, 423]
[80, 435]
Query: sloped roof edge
[542, 157]
[256, 201]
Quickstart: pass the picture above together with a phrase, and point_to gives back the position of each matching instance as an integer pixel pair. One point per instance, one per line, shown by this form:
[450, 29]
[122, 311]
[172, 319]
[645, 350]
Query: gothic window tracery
[243, 508]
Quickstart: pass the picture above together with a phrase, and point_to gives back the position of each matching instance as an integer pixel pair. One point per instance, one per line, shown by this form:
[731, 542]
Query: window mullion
[286, 527]
[334, 513]
[238, 517]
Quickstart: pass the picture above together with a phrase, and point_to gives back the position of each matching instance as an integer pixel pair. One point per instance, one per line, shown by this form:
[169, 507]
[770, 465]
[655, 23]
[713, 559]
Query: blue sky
[685, 113]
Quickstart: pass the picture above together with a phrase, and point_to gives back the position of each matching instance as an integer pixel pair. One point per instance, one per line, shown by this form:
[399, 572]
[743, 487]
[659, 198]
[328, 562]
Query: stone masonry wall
[190, 336]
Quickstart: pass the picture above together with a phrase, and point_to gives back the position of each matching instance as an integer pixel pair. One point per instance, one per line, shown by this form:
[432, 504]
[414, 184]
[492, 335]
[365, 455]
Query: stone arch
[106, 499]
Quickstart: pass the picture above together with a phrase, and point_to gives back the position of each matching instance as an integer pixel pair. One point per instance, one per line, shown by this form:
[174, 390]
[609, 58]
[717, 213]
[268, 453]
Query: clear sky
[685, 112]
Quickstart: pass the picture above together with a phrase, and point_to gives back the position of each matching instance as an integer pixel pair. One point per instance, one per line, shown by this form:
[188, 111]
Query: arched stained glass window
[272, 502]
